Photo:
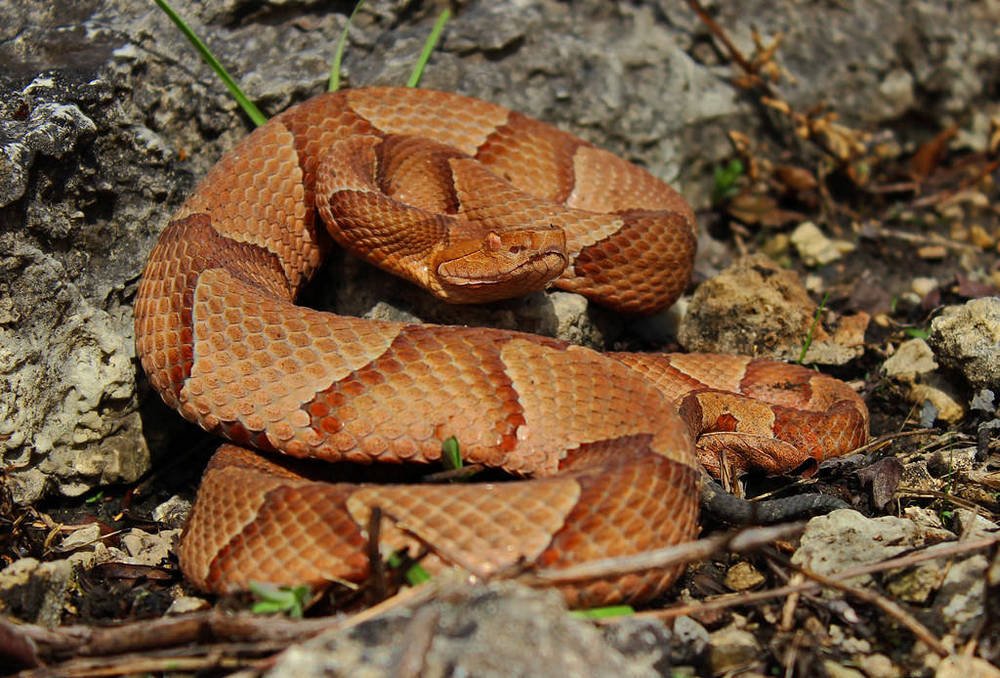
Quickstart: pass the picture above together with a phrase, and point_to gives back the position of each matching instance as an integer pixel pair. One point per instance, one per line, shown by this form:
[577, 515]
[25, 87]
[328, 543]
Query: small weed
[338, 53]
[290, 600]
[451, 455]
[725, 181]
[414, 575]
[812, 329]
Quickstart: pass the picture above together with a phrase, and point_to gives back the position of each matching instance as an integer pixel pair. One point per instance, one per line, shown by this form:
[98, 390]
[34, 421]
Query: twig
[883, 440]
[198, 627]
[738, 599]
[135, 664]
[881, 602]
[734, 53]
[377, 576]
[743, 540]
[920, 239]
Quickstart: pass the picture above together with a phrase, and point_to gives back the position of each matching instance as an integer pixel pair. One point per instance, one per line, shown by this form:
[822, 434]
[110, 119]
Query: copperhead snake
[475, 203]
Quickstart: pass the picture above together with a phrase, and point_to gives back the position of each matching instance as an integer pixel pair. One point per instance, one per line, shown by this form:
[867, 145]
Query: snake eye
[515, 249]
[492, 242]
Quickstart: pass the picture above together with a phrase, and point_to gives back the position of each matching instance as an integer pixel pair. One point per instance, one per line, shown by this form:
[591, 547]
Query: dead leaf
[930, 154]
[967, 288]
[763, 210]
[797, 179]
[882, 478]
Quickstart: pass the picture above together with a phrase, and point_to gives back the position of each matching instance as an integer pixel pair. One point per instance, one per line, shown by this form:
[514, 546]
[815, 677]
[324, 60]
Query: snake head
[501, 264]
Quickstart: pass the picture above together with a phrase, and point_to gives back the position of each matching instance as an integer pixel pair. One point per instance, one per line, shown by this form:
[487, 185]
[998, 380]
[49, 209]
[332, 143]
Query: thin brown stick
[132, 664]
[199, 627]
[377, 576]
[882, 603]
[739, 599]
[742, 540]
[734, 52]
[883, 440]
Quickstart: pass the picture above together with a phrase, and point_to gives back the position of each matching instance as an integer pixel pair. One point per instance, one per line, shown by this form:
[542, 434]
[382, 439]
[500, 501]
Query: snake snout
[502, 264]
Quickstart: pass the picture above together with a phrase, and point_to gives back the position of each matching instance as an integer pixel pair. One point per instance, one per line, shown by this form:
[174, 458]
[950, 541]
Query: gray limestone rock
[501, 629]
[966, 338]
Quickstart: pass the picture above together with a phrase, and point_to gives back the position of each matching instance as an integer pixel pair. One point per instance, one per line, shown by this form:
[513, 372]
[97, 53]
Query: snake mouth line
[542, 266]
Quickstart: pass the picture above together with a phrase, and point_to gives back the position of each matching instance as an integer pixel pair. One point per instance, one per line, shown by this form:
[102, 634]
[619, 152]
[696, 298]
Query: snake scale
[474, 202]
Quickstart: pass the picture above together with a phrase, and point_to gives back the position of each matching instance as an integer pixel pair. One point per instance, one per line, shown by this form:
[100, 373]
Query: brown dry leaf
[930, 154]
[883, 478]
[972, 289]
[763, 57]
[842, 142]
[747, 81]
[797, 179]
[740, 141]
[756, 208]
[777, 104]
[749, 207]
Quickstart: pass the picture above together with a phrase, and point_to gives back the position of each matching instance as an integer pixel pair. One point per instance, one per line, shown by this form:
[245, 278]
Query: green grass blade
[338, 55]
[414, 575]
[429, 45]
[248, 106]
[812, 329]
[603, 612]
[451, 454]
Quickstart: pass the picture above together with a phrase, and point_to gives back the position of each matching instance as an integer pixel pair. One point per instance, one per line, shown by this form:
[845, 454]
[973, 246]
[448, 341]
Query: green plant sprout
[812, 329]
[451, 455]
[725, 179]
[248, 106]
[414, 575]
[289, 600]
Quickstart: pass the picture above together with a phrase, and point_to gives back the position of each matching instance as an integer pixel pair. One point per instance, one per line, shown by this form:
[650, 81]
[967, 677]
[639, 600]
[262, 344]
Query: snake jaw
[501, 265]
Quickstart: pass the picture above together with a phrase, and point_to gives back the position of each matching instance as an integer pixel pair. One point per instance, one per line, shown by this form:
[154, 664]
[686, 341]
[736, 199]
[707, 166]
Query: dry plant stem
[939, 496]
[374, 554]
[882, 603]
[740, 541]
[734, 53]
[941, 196]
[139, 665]
[201, 626]
[738, 599]
[792, 602]
[919, 239]
[883, 440]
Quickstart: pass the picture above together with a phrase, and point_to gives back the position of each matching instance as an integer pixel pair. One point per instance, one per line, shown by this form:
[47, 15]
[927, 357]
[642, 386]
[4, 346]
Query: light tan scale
[474, 202]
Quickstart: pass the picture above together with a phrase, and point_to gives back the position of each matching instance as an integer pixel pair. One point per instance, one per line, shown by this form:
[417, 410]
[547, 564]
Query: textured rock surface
[967, 339]
[107, 119]
[494, 630]
[914, 367]
[755, 307]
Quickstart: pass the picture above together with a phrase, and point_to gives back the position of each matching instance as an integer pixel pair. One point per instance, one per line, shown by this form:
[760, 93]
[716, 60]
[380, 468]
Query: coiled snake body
[475, 203]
